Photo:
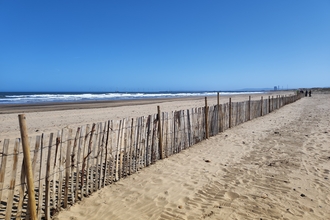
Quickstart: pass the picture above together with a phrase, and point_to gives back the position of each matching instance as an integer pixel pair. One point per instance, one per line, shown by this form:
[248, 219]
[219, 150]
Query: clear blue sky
[163, 45]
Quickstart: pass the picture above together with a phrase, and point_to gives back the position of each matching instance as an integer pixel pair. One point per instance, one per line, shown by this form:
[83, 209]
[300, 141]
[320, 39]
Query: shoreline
[91, 104]
[58, 106]
[51, 118]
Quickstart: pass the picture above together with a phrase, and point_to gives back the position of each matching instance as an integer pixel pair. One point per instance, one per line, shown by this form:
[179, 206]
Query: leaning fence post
[28, 166]
[206, 120]
[160, 135]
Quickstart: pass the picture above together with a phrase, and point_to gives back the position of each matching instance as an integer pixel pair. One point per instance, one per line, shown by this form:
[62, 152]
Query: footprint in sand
[231, 195]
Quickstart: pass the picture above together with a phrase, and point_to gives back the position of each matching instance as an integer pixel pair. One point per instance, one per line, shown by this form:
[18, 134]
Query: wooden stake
[206, 120]
[12, 182]
[262, 104]
[28, 166]
[218, 106]
[160, 134]
[3, 165]
[67, 169]
[249, 108]
[230, 112]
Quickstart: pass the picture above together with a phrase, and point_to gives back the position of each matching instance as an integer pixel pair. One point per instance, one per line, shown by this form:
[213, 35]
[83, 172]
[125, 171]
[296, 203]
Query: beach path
[274, 167]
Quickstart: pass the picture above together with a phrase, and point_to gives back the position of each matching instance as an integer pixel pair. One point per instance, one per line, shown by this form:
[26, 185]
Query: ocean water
[48, 97]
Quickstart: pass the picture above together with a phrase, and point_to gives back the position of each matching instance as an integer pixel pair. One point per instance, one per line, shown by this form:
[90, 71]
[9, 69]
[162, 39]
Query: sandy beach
[273, 167]
[51, 117]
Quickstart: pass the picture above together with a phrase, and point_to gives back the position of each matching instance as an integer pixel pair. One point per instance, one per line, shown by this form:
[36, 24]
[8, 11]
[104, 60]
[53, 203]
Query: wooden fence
[71, 164]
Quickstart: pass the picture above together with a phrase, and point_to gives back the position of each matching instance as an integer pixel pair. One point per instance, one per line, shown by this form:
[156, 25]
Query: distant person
[310, 93]
[306, 93]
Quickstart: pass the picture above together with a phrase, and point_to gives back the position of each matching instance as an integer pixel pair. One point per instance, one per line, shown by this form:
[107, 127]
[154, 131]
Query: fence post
[230, 111]
[206, 120]
[249, 108]
[28, 166]
[218, 106]
[262, 104]
[160, 134]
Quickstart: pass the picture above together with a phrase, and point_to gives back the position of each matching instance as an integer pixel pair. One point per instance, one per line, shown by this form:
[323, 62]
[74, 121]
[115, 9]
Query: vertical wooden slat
[67, 169]
[175, 132]
[180, 129]
[34, 163]
[106, 152]
[155, 142]
[84, 177]
[179, 136]
[206, 120]
[60, 171]
[79, 148]
[136, 145]
[199, 124]
[188, 128]
[237, 113]
[230, 112]
[48, 172]
[261, 104]
[221, 115]
[111, 157]
[88, 158]
[184, 130]
[121, 143]
[131, 148]
[118, 151]
[94, 153]
[143, 141]
[171, 133]
[40, 182]
[21, 193]
[124, 149]
[249, 109]
[35, 155]
[3, 165]
[12, 181]
[73, 166]
[167, 134]
[55, 174]
[160, 138]
[100, 158]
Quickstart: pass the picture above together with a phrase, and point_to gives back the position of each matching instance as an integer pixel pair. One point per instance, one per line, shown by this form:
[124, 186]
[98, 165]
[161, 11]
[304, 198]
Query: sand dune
[273, 167]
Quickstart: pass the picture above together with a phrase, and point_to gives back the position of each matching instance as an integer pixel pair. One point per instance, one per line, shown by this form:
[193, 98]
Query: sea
[49, 97]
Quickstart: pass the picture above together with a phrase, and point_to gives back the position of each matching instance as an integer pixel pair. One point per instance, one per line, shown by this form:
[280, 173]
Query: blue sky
[163, 45]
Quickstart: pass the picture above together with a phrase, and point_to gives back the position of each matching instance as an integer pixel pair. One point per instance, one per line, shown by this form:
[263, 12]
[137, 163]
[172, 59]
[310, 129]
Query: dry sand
[47, 118]
[273, 167]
